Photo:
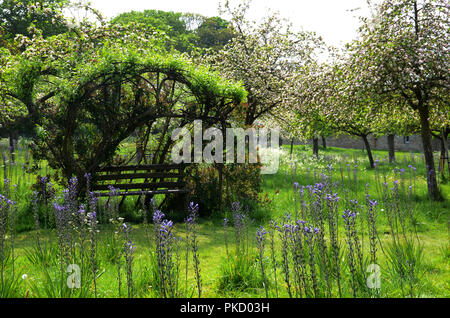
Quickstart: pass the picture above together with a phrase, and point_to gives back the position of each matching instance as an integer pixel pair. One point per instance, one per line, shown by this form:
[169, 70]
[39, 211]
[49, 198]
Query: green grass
[431, 219]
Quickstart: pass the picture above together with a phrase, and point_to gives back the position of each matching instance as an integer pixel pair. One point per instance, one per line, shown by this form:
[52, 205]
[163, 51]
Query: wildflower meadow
[329, 228]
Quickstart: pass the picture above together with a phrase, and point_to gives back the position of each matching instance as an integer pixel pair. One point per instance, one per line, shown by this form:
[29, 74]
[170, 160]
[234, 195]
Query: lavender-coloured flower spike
[261, 234]
[311, 236]
[193, 208]
[236, 206]
[128, 249]
[349, 219]
[260, 244]
[348, 215]
[82, 209]
[158, 217]
[192, 243]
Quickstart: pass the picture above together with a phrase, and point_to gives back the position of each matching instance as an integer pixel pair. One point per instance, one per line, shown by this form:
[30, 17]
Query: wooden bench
[141, 180]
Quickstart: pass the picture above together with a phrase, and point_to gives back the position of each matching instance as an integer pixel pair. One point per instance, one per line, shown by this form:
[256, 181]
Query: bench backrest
[141, 177]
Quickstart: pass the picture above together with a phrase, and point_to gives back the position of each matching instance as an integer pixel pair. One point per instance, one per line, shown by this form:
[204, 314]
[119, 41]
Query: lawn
[230, 269]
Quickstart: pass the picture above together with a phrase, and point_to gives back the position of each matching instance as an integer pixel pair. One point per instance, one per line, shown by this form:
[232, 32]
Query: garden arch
[84, 115]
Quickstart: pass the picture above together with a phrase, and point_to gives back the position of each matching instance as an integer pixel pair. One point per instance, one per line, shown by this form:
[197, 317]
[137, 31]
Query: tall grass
[330, 220]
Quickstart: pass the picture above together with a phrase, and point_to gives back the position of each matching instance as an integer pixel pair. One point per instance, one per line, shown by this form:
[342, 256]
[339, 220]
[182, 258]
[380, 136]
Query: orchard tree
[174, 25]
[391, 121]
[348, 108]
[306, 116]
[263, 56]
[16, 16]
[213, 33]
[329, 100]
[404, 50]
[185, 31]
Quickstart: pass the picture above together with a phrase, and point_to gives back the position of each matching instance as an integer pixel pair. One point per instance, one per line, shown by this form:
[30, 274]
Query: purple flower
[332, 197]
[82, 209]
[273, 225]
[190, 220]
[348, 215]
[287, 228]
[166, 227]
[113, 191]
[58, 208]
[131, 246]
[193, 208]
[73, 181]
[235, 206]
[310, 231]
[5, 202]
[319, 187]
[260, 234]
[158, 217]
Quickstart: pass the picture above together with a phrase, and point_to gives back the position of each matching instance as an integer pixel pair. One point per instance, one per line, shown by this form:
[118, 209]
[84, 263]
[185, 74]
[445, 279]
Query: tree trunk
[445, 138]
[391, 145]
[324, 142]
[292, 147]
[369, 151]
[12, 143]
[442, 158]
[220, 168]
[433, 190]
[444, 154]
[316, 147]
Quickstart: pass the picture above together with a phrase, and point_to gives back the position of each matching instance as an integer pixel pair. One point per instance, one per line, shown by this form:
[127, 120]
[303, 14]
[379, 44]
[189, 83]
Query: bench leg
[187, 199]
[147, 202]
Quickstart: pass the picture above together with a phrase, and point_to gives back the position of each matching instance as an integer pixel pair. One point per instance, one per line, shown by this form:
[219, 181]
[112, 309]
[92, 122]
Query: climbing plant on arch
[85, 103]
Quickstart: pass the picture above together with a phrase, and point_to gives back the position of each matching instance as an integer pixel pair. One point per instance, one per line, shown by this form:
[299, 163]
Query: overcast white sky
[334, 20]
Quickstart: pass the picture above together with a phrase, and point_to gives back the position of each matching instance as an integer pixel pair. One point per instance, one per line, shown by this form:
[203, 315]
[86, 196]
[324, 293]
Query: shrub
[241, 182]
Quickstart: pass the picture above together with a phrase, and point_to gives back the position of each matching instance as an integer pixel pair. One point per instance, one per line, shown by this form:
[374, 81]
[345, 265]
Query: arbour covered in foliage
[91, 88]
